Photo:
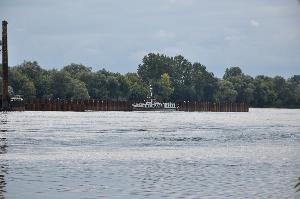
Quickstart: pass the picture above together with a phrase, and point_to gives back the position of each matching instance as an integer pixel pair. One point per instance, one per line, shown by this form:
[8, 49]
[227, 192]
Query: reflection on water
[3, 150]
[150, 155]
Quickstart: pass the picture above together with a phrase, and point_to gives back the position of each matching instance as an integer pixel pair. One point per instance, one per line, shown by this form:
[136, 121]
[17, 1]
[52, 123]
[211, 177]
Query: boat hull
[153, 109]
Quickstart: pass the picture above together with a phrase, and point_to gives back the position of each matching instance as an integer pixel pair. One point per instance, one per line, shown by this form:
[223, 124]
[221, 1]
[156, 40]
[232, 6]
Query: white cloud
[165, 35]
[182, 2]
[91, 50]
[254, 23]
[228, 38]
[20, 29]
[138, 55]
[212, 32]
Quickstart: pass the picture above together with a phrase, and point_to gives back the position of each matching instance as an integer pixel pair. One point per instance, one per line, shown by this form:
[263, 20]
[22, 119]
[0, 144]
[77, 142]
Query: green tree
[138, 89]
[153, 66]
[295, 80]
[225, 92]
[232, 72]
[63, 86]
[162, 89]
[243, 84]
[112, 86]
[37, 75]
[75, 70]
[203, 82]
[294, 86]
[284, 92]
[124, 87]
[21, 84]
[172, 78]
[181, 78]
[79, 90]
[264, 94]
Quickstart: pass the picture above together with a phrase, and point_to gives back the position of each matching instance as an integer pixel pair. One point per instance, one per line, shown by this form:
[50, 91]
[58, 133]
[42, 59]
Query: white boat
[16, 98]
[153, 105]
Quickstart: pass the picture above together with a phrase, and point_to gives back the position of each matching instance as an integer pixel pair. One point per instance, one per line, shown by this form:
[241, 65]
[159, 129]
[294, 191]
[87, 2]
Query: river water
[150, 154]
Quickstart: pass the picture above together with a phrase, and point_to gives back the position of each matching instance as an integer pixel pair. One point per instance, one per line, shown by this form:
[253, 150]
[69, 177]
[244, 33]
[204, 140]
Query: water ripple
[150, 155]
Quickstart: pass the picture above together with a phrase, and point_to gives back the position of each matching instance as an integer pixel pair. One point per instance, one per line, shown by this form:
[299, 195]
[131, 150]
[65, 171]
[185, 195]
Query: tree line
[171, 78]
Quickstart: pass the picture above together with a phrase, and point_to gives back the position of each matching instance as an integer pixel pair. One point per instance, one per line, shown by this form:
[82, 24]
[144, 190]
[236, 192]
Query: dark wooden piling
[106, 105]
[5, 97]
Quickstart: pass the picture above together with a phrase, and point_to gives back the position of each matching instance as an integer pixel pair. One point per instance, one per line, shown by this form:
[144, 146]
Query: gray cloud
[261, 36]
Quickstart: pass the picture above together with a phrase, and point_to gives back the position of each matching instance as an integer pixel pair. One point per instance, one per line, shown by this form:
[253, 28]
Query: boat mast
[151, 94]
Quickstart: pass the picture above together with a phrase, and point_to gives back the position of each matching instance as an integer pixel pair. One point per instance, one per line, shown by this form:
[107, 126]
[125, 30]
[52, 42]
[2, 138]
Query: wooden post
[66, 104]
[125, 108]
[105, 105]
[96, 104]
[5, 97]
[73, 105]
[37, 105]
[53, 105]
[49, 105]
[179, 106]
[100, 105]
[198, 106]
[63, 105]
[113, 105]
[43, 105]
[34, 104]
[108, 105]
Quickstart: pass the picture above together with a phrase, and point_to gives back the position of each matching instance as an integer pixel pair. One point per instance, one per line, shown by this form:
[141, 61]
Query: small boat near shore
[152, 104]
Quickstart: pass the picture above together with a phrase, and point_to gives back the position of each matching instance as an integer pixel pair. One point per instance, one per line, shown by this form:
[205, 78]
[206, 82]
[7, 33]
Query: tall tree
[264, 94]
[75, 70]
[232, 72]
[162, 89]
[204, 83]
[181, 78]
[21, 84]
[138, 89]
[153, 66]
[225, 92]
[243, 84]
[35, 74]
[63, 86]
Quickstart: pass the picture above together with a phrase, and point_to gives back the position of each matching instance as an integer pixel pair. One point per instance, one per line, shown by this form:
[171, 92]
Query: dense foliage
[172, 78]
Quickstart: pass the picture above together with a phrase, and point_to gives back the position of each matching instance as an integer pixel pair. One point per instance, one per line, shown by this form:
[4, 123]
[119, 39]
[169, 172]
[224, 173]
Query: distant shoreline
[172, 78]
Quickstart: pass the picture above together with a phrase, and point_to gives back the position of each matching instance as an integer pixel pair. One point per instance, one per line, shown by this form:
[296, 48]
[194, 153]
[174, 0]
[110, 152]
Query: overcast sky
[260, 36]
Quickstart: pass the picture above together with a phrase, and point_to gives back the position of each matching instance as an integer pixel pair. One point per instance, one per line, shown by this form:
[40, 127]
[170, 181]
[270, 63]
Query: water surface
[150, 154]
